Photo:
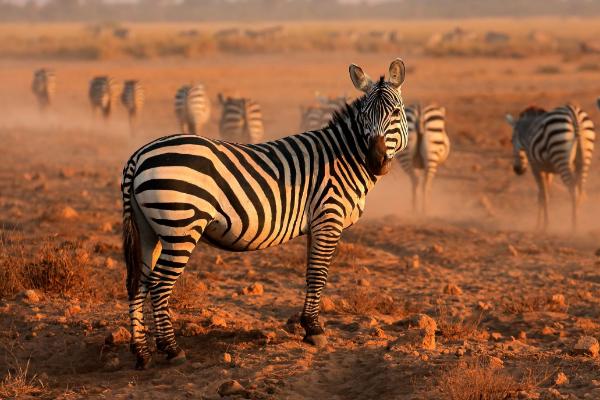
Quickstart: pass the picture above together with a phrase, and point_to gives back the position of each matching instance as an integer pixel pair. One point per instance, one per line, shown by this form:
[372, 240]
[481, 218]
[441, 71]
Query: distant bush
[548, 69]
[592, 67]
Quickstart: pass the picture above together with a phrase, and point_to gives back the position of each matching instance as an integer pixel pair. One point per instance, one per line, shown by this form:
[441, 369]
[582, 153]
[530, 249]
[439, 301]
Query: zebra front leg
[541, 180]
[321, 246]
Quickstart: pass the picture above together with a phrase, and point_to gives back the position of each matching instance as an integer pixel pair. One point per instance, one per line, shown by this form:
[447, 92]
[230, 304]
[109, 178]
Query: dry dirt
[475, 264]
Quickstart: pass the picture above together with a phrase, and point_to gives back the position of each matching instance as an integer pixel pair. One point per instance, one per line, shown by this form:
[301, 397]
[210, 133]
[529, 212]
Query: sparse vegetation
[456, 326]
[531, 303]
[370, 302]
[474, 381]
[548, 69]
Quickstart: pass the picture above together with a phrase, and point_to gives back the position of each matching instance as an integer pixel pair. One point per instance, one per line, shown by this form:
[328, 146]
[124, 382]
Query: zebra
[192, 108]
[102, 93]
[428, 147]
[598, 102]
[561, 142]
[132, 97]
[44, 87]
[241, 120]
[317, 115]
[181, 189]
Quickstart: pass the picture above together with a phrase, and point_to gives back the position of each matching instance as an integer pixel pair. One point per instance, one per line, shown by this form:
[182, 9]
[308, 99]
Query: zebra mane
[532, 111]
[339, 114]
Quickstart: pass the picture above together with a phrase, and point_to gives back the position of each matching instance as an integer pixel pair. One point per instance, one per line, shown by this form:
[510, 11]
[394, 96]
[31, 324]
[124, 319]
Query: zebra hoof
[177, 358]
[142, 362]
[316, 340]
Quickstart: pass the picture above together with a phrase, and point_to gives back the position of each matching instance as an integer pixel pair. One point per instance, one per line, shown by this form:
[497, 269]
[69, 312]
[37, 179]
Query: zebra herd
[243, 194]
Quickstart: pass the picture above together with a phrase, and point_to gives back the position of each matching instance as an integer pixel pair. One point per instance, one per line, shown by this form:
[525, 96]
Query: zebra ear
[510, 120]
[360, 80]
[397, 72]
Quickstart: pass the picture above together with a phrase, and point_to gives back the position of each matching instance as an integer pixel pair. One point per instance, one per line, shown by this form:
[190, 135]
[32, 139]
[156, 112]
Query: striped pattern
[44, 87]
[241, 120]
[318, 115]
[183, 189]
[133, 97]
[428, 147]
[192, 108]
[560, 142]
[103, 93]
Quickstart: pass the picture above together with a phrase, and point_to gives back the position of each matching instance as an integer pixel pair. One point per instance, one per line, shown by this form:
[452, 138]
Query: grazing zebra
[44, 87]
[317, 115]
[561, 142]
[241, 120]
[102, 93]
[428, 147]
[192, 108]
[133, 97]
[181, 189]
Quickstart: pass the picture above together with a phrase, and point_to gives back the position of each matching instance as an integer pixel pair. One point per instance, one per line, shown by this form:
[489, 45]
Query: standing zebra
[317, 115]
[598, 102]
[428, 147]
[560, 141]
[192, 108]
[44, 87]
[133, 97]
[181, 189]
[102, 94]
[241, 120]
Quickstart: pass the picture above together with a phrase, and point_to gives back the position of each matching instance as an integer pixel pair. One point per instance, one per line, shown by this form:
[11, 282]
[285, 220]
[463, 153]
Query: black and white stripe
[183, 189]
[103, 92]
[560, 142]
[44, 87]
[133, 97]
[317, 115]
[428, 147]
[192, 108]
[241, 120]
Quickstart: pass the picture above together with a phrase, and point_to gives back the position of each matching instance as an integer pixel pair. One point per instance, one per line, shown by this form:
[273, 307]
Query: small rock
[484, 306]
[414, 262]
[327, 305]
[558, 299]
[73, 310]
[218, 322]
[227, 358]
[554, 393]
[112, 364]
[30, 296]
[587, 345]
[192, 329]
[68, 212]
[494, 362]
[548, 331]
[460, 352]
[437, 249]
[452, 289]
[512, 250]
[522, 336]
[119, 336]
[561, 379]
[110, 263]
[231, 388]
[106, 227]
[496, 336]
[363, 282]
[255, 289]
[66, 173]
[377, 332]
[421, 321]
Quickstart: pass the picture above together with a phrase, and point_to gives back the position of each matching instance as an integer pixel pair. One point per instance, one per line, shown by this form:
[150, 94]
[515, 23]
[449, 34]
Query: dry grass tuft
[11, 261]
[589, 66]
[456, 327]
[188, 291]
[532, 303]
[58, 269]
[368, 302]
[548, 69]
[18, 383]
[473, 381]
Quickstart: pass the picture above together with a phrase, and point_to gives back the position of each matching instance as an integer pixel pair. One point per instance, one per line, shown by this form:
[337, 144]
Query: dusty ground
[475, 265]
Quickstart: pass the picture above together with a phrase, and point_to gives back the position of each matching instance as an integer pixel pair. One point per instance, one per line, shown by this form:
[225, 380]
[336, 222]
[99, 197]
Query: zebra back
[241, 120]
[44, 86]
[192, 107]
[133, 97]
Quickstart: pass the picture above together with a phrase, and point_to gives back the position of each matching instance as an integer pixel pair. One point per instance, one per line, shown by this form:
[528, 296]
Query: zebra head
[521, 128]
[381, 116]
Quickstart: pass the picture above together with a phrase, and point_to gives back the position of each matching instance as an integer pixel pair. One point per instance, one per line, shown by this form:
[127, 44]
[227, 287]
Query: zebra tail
[132, 250]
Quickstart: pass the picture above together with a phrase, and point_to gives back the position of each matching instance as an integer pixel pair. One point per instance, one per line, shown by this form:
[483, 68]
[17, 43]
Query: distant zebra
[561, 142]
[103, 92]
[182, 189]
[598, 102]
[44, 87]
[133, 97]
[241, 120]
[318, 115]
[428, 147]
[192, 108]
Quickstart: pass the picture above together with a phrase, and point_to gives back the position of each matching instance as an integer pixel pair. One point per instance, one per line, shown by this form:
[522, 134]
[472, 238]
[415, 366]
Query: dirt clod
[453, 289]
[30, 296]
[327, 304]
[231, 388]
[192, 329]
[255, 289]
[587, 345]
[119, 336]
[561, 379]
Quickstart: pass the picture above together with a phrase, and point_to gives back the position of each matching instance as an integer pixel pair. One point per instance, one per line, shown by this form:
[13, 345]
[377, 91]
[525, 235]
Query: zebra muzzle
[378, 162]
